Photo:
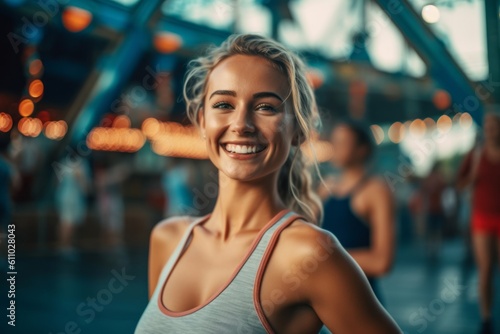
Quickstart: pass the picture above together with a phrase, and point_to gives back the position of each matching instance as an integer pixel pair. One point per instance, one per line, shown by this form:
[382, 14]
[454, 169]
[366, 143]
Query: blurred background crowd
[95, 146]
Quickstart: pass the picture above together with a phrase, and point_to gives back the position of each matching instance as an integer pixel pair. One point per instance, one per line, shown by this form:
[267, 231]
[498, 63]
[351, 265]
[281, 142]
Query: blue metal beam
[441, 65]
[114, 71]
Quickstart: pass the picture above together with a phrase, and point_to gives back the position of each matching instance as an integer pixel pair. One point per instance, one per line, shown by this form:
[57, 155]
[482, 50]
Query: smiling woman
[258, 263]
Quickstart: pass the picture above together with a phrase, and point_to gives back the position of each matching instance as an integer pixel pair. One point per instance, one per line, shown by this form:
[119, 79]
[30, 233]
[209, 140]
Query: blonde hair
[294, 182]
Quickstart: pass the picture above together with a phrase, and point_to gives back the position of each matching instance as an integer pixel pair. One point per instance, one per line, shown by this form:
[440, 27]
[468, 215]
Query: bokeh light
[465, 120]
[429, 123]
[166, 42]
[378, 133]
[150, 127]
[441, 99]
[418, 128]
[396, 132]
[55, 130]
[315, 78]
[122, 122]
[444, 124]
[76, 19]
[5, 122]
[115, 139]
[30, 127]
[36, 67]
[431, 14]
[26, 107]
[36, 88]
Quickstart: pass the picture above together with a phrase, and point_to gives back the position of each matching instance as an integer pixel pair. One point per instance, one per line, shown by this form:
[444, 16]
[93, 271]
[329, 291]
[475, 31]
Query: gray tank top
[234, 309]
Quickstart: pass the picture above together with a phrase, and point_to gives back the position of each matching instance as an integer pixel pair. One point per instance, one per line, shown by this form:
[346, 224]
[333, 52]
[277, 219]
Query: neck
[244, 206]
[353, 173]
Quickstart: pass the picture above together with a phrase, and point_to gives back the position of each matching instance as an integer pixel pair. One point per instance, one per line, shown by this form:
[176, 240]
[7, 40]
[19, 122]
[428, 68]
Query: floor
[56, 296]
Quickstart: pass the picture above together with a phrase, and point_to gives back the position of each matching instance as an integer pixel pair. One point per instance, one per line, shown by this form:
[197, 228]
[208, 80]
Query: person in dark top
[480, 171]
[359, 207]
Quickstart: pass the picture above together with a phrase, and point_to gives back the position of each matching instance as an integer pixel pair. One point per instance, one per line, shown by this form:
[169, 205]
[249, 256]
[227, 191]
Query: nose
[242, 121]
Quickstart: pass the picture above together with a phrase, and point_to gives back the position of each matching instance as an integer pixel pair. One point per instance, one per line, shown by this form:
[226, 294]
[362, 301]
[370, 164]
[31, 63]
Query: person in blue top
[358, 206]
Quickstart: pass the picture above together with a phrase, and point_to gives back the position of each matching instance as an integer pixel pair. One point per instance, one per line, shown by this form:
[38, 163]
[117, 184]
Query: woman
[481, 171]
[254, 265]
[358, 207]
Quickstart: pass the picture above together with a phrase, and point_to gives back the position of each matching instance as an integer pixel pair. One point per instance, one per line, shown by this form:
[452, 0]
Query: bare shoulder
[377, 184]
[376, 188]
[171, 228]
[302, 241]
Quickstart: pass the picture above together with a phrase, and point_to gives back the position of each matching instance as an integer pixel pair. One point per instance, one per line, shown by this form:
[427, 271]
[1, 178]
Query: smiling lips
[244, 149]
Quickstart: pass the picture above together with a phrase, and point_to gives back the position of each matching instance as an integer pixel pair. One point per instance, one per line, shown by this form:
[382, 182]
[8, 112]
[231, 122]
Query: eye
[266, 107]
[222, 105]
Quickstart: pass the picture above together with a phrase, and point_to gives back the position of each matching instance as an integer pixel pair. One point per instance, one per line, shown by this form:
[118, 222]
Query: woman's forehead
[247, 73]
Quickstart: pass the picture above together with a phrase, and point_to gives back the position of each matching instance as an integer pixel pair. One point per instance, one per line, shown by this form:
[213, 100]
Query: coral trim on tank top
[262, 268]
[171, 313]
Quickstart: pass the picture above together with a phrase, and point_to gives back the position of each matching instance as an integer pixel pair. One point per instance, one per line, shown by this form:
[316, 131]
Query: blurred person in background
[110, 205]
[73, 185]
[480, 171]
[432, 189]
[359, 206]
[252, 103]
[176, 182]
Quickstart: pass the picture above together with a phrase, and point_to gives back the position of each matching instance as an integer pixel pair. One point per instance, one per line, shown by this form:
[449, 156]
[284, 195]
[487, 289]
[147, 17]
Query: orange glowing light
[444, 124]
[165, 42]
[30, 127]
[122, 122]
[76, 19]
[418, 128]
[429, 123]
[181, 142]
[465, 120]
[315, 78]
[5, 122]
[378, 133]
[26, 107]
[36, 88]
[396, 132]
[441, 99]
[36, 67]
[56, 130]
[150, 127]
[115, 139]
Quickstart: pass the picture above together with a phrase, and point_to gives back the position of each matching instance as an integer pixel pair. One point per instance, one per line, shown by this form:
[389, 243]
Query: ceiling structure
[382, 50]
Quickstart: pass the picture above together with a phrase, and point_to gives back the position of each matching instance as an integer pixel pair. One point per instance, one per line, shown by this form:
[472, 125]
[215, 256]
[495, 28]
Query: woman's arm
[377, 260]
[339, 292]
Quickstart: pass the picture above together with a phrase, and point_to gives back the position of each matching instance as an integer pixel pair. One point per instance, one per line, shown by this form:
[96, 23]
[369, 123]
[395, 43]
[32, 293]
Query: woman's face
[491, 127]
[346, 149]
[247, 121]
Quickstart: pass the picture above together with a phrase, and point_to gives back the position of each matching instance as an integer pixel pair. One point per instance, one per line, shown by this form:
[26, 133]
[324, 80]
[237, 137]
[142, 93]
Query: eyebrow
[255, 96]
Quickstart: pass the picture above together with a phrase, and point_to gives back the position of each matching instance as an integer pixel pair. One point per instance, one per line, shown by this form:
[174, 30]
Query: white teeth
[241, 149]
